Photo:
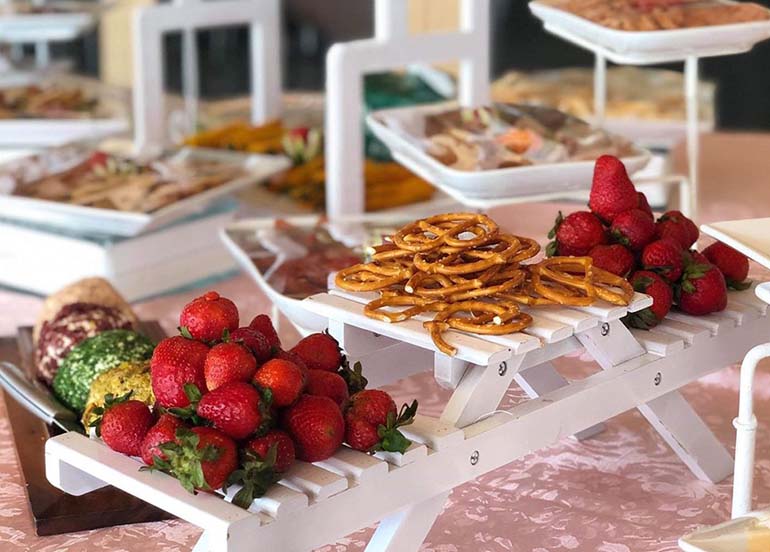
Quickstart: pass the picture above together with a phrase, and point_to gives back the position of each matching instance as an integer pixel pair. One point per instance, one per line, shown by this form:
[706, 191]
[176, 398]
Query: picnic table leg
[406, 530]
[671, 415]
[544, 378]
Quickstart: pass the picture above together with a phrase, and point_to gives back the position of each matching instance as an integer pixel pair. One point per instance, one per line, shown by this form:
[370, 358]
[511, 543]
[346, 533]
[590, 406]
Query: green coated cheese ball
[93, 357]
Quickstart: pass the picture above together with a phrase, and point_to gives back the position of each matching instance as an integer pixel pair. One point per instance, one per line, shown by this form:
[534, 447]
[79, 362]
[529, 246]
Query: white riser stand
[188, 16]
[471, 438]
[392, 48]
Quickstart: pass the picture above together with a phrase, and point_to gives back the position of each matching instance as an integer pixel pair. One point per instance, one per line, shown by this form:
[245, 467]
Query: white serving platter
[643, 47]
[75, 19]
[751, 237]
[482, 189]
[57, 132]
[93, 220]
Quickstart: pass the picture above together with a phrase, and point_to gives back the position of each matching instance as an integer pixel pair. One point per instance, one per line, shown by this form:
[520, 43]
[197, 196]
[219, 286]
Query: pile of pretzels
[471, 276]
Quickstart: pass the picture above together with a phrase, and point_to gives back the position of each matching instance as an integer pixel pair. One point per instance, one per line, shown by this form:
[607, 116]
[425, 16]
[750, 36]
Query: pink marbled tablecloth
[622, 491]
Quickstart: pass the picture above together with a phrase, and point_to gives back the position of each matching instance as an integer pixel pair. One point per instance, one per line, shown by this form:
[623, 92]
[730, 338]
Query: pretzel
[461, 268]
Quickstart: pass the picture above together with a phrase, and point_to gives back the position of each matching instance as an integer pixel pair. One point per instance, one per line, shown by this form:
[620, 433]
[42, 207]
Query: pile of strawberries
[621, 235]
[233, 407]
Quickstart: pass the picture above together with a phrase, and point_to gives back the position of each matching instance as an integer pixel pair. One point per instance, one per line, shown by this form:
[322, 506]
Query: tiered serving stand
[649, 48]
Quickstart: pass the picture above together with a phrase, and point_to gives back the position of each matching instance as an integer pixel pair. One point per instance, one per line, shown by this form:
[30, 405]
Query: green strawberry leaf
[391, 439]
[185, 332]
[618, 236]
[551, 249]
[642, 283]
[353, 377]
[556, 224]
[642, 320]
[738, 286]
[256, 476]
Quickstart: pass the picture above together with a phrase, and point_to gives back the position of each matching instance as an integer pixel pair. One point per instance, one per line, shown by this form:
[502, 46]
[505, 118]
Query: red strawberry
[284, 448]
[690, 228]
[209, 317]
[327, 384]
[284, 379]
[644, 205]
[633, 229]
[319, 351]
[703, 290]
[164, 431]
[372, 422]
[291, 357]
[234, 408]
[124, 424]
[201, 458]
[694, 257]
[175, 362]
[668, 229]
[664, 257]
[733, 264]
[264, 325]
[656, 287]
[316, 426]
[227, 362]
[613, 258]
[612, 192]
[254, 341]
[576, 234]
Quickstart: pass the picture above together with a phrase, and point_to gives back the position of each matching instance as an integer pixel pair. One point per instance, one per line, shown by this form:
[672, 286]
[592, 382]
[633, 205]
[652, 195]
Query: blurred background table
[622, 491]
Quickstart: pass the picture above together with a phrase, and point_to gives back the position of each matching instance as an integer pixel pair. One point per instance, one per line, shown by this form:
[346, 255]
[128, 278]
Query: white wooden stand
[333, 498]
[189, 16]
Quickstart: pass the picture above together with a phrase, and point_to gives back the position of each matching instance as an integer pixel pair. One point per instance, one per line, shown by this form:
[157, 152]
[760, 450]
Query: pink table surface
[622, 491]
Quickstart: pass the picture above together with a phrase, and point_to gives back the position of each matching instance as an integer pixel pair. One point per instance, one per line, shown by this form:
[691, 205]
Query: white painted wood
[680, 426]
[480, 392]
[279, 500]
[639, 302]
[605, 312]
[658, 343]
[578, 321]
[547, 330]
[405, 530]
[471, 349]
[692, 335]
[610, 344]
[313, 481]
[433, 433]
[357, 342]
[544, 378]
[748, 299]
[387, 366]
[358, 467]
[448, 371]
[412, 454]
[153, 21]
[713, 322]
[739, 312]
[346, 65]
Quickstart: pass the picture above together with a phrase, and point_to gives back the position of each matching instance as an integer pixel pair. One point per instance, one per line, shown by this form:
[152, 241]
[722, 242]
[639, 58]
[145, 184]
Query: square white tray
[751, 237]
[484, 188]
[642, 47]
[99, 221]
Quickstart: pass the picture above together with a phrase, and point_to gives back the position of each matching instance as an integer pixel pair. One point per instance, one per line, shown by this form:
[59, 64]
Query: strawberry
[123, 423]
[316, 426]
[733, 264]
[633, 228]
[694, 257]
[175, 362]
[644, 205]
[201, 458]
[284, 448]
[372, 422]
[613, 258]
[284, 379]
[703, 290]
[668, 229]
[164, 431]
[235, 408]
[690, 229]
[612, 192]
[227, 362]
[664, 257]
[291, 357]
[319, 351]
[662, 295]
[254, 342]
[576, 234]
[208, 318]
[327, 384]
[264, 325]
